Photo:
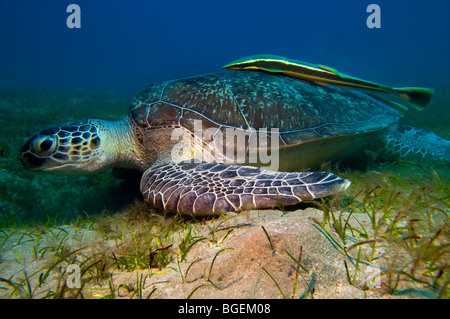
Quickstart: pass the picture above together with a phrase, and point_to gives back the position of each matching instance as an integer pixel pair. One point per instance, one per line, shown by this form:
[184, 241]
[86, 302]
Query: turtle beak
[31, 162]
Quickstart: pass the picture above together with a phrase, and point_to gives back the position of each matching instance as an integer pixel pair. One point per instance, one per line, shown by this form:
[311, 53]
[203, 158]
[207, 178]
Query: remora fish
[321, 74]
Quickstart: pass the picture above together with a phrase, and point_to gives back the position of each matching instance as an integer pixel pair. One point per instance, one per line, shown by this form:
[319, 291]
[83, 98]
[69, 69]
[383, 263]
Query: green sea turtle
[190, 138]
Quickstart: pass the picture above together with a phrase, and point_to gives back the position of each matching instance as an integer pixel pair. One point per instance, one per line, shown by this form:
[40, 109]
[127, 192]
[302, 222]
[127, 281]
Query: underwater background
[124, 45]
[51, 74]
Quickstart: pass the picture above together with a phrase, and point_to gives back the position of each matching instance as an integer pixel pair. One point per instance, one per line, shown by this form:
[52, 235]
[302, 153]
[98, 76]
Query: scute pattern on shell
[301, 111]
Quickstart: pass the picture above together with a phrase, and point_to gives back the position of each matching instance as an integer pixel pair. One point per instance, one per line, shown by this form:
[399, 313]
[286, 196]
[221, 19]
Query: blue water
[50, 73]
[124, 45]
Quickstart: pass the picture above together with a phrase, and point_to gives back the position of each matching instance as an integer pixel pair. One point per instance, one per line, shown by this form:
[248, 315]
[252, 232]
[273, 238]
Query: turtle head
[75, 148]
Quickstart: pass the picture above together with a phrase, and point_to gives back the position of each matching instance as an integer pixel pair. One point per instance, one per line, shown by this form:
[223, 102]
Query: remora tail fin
[417, 97]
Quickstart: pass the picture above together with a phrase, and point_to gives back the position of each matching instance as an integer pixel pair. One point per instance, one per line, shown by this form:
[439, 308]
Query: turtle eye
[44, 144]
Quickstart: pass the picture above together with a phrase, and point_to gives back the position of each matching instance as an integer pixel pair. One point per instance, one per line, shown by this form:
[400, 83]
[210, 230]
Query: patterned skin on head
[59, 147]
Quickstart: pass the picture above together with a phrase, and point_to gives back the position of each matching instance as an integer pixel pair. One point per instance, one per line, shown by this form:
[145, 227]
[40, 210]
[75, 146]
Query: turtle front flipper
[199, 188]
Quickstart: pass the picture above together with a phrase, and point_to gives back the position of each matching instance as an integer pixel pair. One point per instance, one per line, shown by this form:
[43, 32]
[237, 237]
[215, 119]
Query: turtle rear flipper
[199, 188]
[415, 144]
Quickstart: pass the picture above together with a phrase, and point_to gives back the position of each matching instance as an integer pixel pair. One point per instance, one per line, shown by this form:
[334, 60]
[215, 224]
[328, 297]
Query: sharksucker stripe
[417, 97]
[280, 64]
[200, 188]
